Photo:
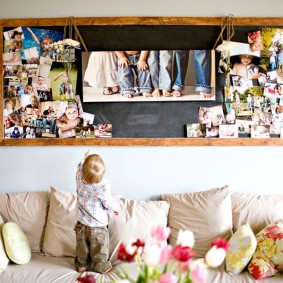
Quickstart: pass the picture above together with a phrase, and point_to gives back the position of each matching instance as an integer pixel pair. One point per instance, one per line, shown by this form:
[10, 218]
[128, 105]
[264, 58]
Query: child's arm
[123, 60]
[142, 65]
[33, 36]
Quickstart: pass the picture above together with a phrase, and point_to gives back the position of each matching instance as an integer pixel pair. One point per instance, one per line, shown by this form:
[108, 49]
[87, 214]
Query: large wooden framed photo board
[157, 94]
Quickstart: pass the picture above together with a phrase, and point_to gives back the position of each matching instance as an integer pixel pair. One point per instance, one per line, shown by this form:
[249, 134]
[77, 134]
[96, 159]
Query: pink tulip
[166, 254]
[221, 243]
[198, 271]
[160, 233]
[168, 278]
[183, 253]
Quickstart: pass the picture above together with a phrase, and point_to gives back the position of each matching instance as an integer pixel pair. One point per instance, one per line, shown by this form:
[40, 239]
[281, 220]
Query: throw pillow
[4, 260]
[59, 238]
[242, 248]
[268, 257]
[135, 221]
[265, 210]
[207, 214]
[16, 243]
[29, 210]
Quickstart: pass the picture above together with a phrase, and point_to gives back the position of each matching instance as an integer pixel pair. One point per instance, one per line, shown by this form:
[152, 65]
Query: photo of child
[228, 131]
[103, 131]
[196, 130]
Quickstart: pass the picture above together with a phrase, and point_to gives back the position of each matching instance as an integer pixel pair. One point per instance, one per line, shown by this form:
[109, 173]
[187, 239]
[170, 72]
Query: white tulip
[186, 238]
[151, 255]
[215, 256]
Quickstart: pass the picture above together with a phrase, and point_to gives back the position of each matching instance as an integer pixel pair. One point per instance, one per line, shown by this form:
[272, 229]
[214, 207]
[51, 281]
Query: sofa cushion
[29, 211]
[268, 257]
[4, 260]
[59, 237]
[135, 221]
[242, 248]
[207, 214]
[256, 210]
[16, 243]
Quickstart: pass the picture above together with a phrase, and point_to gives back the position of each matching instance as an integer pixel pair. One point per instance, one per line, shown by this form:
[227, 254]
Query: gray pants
[92, 245]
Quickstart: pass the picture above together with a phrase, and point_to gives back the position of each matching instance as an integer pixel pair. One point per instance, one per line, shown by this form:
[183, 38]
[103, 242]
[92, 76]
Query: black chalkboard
[153, 119]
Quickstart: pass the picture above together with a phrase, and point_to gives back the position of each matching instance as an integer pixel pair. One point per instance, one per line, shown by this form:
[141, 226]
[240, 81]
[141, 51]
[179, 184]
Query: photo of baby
[196, 130]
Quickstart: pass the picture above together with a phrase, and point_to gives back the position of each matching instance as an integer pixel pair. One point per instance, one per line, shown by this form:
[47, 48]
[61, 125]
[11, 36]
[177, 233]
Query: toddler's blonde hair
[93, 169]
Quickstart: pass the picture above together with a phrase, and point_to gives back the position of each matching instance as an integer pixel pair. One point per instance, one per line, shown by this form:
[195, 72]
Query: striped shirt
[93, 201]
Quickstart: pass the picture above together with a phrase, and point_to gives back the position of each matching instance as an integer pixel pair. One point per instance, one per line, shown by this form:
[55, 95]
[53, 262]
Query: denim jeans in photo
[160, 67]
[127, 80]
[202, 66]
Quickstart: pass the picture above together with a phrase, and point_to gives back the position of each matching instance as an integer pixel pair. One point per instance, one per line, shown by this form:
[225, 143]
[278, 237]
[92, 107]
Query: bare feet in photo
[156, 92]
[115, 89]
[176, 93]
[166, 93]
[146, 94]
[129, 95]
[206, 94]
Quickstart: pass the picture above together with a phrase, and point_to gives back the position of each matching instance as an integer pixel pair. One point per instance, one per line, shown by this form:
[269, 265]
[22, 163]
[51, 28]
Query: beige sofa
[48, 218]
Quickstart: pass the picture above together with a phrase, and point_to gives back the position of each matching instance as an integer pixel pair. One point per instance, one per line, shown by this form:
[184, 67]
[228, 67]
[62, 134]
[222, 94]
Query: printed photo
[228, 131]
[44, 95]
[211, 116]
[14, 34]
[196, 130]
[85, 132]
[255, 40]
[103, 131]
[31, 55]
[244, 126]
[273, 90]
[188, 75]
[260, 131]
[44, 67]
[88, 119]
[15, 132]
[12, 58]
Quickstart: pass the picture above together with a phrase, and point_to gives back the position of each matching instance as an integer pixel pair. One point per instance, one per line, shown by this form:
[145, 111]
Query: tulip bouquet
[159, 262]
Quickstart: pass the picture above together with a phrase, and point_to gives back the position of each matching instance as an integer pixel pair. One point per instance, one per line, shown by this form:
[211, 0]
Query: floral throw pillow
[242, 247]
[268, 257]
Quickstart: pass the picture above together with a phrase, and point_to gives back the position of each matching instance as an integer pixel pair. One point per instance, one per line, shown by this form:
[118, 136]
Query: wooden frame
[213, 21]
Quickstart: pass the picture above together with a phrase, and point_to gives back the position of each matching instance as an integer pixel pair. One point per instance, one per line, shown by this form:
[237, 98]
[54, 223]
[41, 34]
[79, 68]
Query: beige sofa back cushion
[135, 219]
[256, 210]
[207, 214]
[29, 211]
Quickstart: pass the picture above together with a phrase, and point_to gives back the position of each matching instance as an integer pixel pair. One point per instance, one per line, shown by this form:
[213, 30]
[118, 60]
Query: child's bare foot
[115, 89]
[176, 93]
[129, 95]
[81, 269]
[107, 91]
[206, 94]
[156, 92]
[146, 94]
[166, 93]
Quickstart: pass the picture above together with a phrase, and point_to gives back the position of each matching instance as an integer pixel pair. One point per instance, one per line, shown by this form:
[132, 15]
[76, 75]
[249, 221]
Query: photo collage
[39, 83]
[253, 91]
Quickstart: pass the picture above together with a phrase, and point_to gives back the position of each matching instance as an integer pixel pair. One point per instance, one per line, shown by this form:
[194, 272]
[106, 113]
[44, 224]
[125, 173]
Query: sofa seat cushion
[4, 260]
[242, 247]
[256, 210]
[208, 214]
[16, 243]
[29, 211]
[268, 257]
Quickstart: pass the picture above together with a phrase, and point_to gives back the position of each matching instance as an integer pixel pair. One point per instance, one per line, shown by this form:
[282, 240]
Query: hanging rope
[228, 24]
[70, 25]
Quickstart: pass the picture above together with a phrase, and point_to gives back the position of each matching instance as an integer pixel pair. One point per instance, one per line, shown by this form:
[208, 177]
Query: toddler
[94, 199]
[8, 108]
[26, 96]
[240, 69]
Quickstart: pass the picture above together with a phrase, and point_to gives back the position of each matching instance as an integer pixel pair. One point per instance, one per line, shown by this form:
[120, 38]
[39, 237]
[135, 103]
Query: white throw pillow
[16, 243]
[4, 260]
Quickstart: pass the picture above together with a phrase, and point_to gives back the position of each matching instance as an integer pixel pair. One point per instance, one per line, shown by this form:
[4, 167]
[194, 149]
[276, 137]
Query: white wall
[144, 172]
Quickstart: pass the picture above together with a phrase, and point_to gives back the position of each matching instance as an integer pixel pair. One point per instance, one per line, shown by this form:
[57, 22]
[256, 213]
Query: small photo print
[210, 115]
[31, 55]
[13, 58]
[239, 81]
[44, 67]
[88, 119]
[15, 132]
[196, 130]
[244, 126]
[14, 34]
[44, 95]
[271, 77]
[255, 41]
[103, 131]
[12, 46]
[85, 132]
[260, 131]
[228, 131]
[212, 132]
[41, 83]
[231, 116]
[271, 89]
[29, 132]
[256, 72]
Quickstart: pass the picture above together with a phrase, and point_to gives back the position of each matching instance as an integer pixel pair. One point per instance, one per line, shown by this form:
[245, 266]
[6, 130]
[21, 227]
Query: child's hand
[123, 62]
[88, 153]
[142, 65]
